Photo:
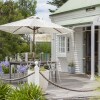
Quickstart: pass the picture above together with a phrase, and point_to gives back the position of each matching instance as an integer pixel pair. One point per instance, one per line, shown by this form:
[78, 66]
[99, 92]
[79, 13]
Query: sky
[42, 9]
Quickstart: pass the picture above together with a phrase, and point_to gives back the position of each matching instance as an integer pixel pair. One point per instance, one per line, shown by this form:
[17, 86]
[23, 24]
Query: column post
[31, 46]
[92, 52]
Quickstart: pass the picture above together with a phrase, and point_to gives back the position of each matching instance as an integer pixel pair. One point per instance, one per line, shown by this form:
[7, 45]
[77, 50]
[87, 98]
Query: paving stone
[78, 82]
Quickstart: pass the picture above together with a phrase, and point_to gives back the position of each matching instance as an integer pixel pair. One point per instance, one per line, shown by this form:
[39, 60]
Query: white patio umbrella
[33, 25]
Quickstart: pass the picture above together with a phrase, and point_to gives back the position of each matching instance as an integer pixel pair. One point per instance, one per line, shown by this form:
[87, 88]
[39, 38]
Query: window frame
[61, 44]
[68, 44]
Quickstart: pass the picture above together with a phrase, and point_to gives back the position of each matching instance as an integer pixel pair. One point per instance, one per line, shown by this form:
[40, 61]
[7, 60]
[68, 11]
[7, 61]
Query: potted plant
[43, 82]
[71, 67]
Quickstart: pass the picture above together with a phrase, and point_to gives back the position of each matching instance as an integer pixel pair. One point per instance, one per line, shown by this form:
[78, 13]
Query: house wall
[78, 52]
[74, 14]
[61, 61]
[64, 60]
[77, 43]
[63, 64]
[74, 55]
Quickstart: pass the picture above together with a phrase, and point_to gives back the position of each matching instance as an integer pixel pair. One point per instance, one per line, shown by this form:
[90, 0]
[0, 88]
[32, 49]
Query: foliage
[12, 44]
[27, 7]
[4, 65]
[5, 69]
[5, 89]
[44, 47]
[56, 3]
[10, 11]
[26, 92]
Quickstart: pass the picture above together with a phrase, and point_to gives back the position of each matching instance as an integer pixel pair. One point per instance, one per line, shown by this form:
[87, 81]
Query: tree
[9, 12]
[56, 3]
[10, 43]
[27, 7]
[43, 47]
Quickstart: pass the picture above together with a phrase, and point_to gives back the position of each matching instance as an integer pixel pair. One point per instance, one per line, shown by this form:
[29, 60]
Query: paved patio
[78, 82]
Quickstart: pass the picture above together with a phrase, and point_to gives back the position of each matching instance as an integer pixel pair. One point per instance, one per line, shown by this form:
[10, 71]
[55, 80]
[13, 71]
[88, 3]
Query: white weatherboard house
[83, 46]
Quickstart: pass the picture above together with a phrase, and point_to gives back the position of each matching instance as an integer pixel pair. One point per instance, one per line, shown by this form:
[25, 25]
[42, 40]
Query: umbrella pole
[30, 44]
[34, 49]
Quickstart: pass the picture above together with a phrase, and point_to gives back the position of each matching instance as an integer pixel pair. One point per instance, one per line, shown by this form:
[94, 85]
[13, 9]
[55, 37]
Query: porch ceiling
[78, 21]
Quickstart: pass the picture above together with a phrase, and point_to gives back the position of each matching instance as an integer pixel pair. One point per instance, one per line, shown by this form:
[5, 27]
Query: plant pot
[42, 81]
[71, 70]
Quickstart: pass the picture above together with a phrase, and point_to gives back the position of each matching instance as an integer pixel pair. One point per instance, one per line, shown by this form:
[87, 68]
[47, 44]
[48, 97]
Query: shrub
[4, 90]
[6, 70]
[26, 92]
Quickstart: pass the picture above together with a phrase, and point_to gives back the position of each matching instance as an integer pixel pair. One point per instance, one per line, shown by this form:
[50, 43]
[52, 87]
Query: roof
[78, 21]
[76, 4]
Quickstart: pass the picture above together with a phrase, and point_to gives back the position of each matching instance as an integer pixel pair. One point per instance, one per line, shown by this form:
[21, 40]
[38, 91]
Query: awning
[78, 21]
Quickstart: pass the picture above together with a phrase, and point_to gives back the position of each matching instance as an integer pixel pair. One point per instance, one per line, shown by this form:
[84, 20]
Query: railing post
[36, 69]
[18, 58]
[6, 58]
[26, 56]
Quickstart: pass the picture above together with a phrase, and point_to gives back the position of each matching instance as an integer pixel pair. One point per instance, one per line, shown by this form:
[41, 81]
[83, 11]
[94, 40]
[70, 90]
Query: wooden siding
[75, 14]
[78, 52]
[75, 54]
[64, 61]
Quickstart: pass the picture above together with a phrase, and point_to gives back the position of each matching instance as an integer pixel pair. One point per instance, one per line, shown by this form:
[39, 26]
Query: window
[61, 45]
[68, 44]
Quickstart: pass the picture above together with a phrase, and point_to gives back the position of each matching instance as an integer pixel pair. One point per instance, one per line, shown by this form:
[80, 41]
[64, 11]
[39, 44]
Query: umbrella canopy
[33, 24]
